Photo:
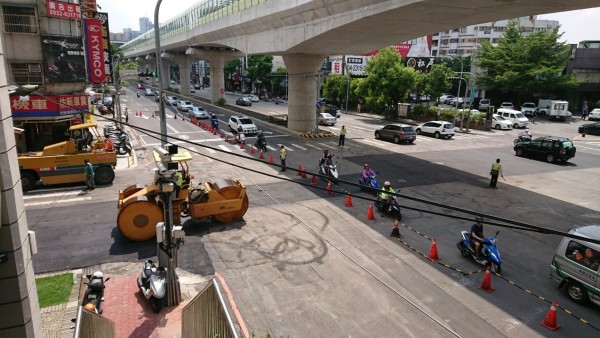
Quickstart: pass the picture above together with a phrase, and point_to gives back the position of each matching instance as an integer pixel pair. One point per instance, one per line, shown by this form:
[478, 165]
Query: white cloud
[577, 25]
[126, 13]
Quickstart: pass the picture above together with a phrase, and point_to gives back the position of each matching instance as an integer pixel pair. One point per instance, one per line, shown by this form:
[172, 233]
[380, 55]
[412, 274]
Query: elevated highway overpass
[304, 32]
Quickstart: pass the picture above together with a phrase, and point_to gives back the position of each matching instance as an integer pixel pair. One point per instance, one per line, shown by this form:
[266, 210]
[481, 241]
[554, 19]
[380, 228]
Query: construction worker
[178, 180]
[495, 172]
[342, 136]
[282, 156]
[89, 175]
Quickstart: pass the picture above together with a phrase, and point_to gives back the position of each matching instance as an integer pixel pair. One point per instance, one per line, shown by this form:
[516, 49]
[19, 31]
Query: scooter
[240, 137]
[526, 136]
[94, 295]
[394, 209]
[138, 94]
[369, 183]
[153, 284]
[261, 144]
[489, 252]
[329, 170]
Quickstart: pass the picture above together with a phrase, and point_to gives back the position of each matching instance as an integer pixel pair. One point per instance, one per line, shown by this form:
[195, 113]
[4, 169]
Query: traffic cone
[222, 134]
[313, 180]
[271, 158]
[303, 172]
[395, 230]
[251, 149]
[261, 155]
[242, 145]
[486, 285]
[370, 214]
[348, 200]
[328, 188]
[299, 171]
[550, 321]
[214, 130]
[233, 140]
[109, 145]
[433, 255]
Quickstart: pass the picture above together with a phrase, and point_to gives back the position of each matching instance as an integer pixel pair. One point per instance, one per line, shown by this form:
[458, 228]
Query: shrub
[221, 102]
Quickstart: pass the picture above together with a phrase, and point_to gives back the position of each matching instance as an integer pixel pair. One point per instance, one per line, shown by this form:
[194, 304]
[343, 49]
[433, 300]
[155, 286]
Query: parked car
[590, 128]
[156, 96]
[252, 97]
[140, 86]
[148, 92]
[243, 101]
[528, 108]
[326, 119]
[507, 105]
[448, 98]
[550, 148]
[332, 109]
[198, 113]
[499, 122]
[397, 133]
[453, 101]
[437, 129]
[594, 114]
[184, 105]
[172, 100]
[247, 125]
[516, 117]
[192, 89]
[484, 104]
[197, 86]
[445, 96]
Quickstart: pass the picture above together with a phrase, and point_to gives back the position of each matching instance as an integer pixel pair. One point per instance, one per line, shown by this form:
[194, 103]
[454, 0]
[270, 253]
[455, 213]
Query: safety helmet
[387, 184]
[366, 165]
[90, 307]
[479, 219]
[260, 132]
[98, 274]
[329, 156]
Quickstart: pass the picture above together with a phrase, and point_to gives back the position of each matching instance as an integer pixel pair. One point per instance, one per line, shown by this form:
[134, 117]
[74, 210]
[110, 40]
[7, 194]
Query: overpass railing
[200, 14]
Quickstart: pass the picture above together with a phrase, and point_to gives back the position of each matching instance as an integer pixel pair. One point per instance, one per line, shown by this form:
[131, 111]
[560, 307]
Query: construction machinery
[63, 162]
[140, 208]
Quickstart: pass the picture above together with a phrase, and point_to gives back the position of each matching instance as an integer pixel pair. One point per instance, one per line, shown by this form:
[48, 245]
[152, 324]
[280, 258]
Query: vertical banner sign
[88, 7]
[94, 50]
[106, 46]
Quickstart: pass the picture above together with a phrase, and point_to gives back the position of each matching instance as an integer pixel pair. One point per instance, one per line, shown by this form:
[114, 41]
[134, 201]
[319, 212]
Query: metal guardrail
[197, 15]
[206, 316]
[92, 325]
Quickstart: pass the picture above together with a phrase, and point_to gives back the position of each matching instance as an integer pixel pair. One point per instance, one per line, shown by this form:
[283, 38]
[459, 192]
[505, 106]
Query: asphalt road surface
[302, 262]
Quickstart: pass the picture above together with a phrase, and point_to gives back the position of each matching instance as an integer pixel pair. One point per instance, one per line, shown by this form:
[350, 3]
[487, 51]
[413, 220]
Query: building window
[27, 73]
[19, 19]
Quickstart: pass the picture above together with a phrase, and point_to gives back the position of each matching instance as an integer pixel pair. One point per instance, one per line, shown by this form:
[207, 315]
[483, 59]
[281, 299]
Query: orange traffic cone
[328, 189]
[261, 155]
[303, 172]
[433, 255]
[299, 171]
[313, 180]
[370, 214]
[109, 145]
[242, 145]
[550, 321]
[214, 130]
[233, 140]
[348, 200]
[271, 158]
[395, 230]
[486, 285]
[251, 149]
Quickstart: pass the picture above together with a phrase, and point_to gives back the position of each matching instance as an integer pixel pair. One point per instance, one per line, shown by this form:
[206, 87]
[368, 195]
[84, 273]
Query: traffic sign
[222, 90]
[319, 105]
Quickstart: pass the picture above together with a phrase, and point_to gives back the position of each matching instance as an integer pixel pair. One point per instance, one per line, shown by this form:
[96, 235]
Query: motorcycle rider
[138, 93]
[385, 197]
[367, 173]
[477, 236]
[261, 141]
[214, 121]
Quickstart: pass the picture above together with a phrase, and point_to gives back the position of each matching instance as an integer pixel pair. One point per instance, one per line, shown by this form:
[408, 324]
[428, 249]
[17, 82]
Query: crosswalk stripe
[224, 148]
[297, 146]
[279, 145]
[27, 197]
[271, 148]
[312, 145]
[58, 201]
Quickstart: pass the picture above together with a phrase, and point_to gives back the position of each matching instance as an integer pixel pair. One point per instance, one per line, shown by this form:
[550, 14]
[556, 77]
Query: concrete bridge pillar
[183, 61]
[216, 59]
[151, 62]
[302, 91]
[165, 72]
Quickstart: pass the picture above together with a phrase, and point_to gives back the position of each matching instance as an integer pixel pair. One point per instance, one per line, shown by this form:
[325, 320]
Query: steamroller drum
[232, 192]
[138, 217]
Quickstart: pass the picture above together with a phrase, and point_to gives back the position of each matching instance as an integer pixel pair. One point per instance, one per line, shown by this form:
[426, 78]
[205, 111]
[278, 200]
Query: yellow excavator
[141, 207]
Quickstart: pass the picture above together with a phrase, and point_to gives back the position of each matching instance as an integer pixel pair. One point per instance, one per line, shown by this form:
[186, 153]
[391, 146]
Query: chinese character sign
[63, 10]
[103, 17]
[95, 50]
[38, 106]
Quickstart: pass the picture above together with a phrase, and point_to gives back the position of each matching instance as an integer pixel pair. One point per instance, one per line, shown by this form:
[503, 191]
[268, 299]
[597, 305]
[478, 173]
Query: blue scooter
[489, 252]
[368, 184]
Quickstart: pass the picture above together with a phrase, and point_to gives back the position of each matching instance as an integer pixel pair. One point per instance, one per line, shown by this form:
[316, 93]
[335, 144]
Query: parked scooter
[369, 183]
[394, 209]
[329, 169]
[153, 284]
[138, 94]
[94, 295]
[489, 252]
[526, 136]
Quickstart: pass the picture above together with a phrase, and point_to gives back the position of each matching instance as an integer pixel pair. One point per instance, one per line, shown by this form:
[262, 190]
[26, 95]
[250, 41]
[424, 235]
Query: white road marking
[312, 145]
[224, 148]
[26, 197]
[58, 201]
[172, 129]
[271, 148]
[580, 146]
[279, 145]
[297, 146]
[45, 191]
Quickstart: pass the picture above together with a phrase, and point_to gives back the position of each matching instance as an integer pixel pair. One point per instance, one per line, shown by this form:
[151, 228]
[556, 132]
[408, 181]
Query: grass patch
[54, 290]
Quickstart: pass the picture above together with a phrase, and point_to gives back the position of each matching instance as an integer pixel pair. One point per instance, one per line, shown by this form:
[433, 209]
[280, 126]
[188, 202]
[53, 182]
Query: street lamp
[462, 66]
[161, 101]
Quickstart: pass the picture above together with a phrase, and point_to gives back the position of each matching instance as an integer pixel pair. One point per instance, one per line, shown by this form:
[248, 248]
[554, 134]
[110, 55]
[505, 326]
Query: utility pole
[161, 89]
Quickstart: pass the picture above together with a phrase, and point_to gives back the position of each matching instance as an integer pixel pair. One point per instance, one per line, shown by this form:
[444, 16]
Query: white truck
[554, 109]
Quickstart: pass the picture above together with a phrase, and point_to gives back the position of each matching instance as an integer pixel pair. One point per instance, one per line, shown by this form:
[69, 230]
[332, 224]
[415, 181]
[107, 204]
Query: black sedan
[549, 148]
[590, 128]
[243, 101]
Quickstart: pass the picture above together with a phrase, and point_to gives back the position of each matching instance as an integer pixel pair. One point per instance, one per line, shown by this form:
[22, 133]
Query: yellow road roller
[141, 207]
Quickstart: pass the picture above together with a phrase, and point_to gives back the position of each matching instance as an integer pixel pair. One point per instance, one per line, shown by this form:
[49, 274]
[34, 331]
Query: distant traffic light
[147, 74]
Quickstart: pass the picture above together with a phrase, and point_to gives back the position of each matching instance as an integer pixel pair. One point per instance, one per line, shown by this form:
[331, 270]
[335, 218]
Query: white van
[516, 117]
[576, 263]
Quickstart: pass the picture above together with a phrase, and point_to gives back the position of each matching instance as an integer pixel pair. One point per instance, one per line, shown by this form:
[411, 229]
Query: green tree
[259, 67]
[521, 66]
[388, 82]
[335, 88]
[437, 81]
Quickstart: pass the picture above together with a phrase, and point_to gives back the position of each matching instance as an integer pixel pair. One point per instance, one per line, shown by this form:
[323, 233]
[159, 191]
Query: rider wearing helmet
[324, 157]
[477, 235]
[90, 307]
[367, 172]
[385, 197]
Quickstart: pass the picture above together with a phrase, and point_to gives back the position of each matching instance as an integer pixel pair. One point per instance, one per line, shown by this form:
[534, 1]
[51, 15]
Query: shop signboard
[63, 59]
[103, 17]
[94, 50]
[63, 10]
[48, 106]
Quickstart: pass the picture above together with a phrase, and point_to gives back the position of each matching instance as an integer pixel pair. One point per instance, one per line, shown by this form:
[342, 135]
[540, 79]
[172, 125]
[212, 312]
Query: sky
[576, 25]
